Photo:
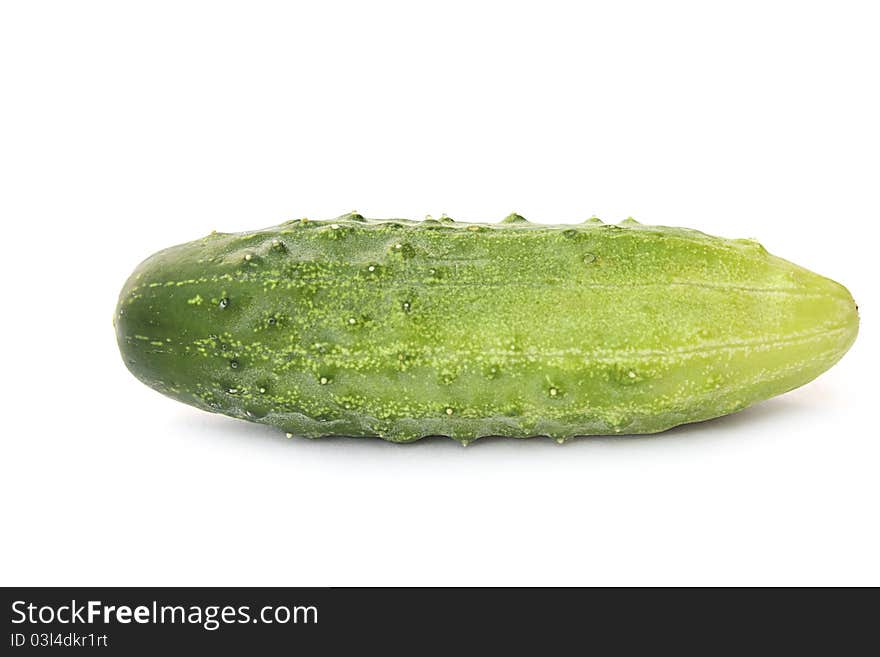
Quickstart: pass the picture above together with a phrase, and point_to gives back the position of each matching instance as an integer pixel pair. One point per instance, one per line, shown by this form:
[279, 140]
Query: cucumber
[402, 329]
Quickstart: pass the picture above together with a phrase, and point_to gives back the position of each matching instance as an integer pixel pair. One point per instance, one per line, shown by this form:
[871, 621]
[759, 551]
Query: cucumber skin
[401, 330]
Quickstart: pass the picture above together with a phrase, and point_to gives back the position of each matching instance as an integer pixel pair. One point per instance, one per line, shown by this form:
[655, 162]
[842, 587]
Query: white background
[126, 127]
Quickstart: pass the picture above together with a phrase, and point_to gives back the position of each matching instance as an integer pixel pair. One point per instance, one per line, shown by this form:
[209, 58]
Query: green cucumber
[402, 329]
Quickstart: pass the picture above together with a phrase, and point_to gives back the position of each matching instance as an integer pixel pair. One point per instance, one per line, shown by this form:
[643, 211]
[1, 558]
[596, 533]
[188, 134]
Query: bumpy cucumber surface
[403, 329]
